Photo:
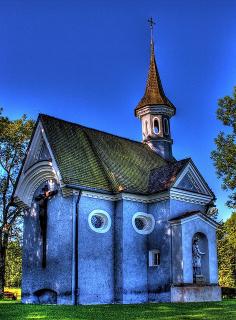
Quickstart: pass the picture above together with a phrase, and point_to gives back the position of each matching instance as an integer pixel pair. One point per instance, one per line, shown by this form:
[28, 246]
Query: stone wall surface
[96, 255]
[113, 267]
[195, 294]
[57, 274]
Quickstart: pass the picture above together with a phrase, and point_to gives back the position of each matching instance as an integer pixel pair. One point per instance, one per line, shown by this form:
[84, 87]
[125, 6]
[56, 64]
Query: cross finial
[151, 23]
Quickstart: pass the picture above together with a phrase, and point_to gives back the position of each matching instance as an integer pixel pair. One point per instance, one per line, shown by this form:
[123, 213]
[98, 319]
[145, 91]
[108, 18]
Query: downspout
[76, 247]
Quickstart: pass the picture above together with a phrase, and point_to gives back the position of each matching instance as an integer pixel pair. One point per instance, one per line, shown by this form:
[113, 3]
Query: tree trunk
[3, 247]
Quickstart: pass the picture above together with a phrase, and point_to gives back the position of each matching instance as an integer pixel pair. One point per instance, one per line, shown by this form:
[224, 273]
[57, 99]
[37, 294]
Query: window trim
[159, 127]
[103, 214]
[151, 258]
[145, 216]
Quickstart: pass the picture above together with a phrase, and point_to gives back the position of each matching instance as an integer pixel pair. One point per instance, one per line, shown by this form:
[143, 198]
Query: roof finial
[152, 23]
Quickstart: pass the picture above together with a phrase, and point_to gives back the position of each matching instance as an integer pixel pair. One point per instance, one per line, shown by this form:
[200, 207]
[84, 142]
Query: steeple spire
[155, 110]
[154, 93]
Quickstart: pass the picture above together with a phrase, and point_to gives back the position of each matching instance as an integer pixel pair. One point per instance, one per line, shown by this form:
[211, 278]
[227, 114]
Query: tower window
[166, 126]
[156, 127]
[154, 258]
[146, 128]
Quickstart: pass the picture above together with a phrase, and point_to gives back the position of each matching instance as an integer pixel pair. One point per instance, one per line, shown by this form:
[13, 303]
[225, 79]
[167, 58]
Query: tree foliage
[14, 138]
[13, 264]
[227, 252]
[224, 156]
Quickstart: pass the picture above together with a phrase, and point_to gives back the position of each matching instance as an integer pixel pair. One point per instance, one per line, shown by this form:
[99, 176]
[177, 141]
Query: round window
[143, 223]
[99, 221]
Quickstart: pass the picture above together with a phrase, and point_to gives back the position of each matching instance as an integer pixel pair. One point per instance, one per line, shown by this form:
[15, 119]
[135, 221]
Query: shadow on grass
[225, 310]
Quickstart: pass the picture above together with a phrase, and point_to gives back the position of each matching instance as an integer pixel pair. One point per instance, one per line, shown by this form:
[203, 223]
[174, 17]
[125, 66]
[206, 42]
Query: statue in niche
[197, 258]
[42, 200]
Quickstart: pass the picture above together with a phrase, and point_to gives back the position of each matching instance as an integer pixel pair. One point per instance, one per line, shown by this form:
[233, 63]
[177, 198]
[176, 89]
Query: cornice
[173, 194]
[156, 109]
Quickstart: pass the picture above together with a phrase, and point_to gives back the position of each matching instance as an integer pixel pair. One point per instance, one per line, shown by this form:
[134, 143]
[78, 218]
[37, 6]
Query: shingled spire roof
[154, 93]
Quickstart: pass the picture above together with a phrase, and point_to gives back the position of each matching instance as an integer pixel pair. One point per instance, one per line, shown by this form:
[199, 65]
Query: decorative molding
[156, 109]
[31, 179]
[199, 180]
[35, 173]
[196, 216]
[188, 196]
[174, 194]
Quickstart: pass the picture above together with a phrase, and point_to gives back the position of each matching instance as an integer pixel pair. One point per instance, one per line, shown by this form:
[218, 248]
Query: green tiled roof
[95, 159]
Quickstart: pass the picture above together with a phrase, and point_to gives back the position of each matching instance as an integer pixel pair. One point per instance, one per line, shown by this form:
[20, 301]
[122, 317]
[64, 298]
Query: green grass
[194, 311]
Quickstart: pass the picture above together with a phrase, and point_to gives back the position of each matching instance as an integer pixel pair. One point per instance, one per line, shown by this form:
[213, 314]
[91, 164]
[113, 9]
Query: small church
[112, 220]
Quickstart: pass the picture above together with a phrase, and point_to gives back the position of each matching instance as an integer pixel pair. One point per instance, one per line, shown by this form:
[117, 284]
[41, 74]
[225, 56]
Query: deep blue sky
[86, 61]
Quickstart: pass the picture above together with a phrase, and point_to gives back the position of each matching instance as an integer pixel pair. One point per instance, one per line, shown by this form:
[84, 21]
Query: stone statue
[43, 203]
[197, 257]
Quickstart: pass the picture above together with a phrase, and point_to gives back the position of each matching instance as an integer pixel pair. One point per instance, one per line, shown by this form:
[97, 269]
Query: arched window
[166, 126]
[156, 127]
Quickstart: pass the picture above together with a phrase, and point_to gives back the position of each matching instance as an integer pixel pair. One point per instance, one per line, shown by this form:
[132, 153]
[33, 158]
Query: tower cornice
[155, 109]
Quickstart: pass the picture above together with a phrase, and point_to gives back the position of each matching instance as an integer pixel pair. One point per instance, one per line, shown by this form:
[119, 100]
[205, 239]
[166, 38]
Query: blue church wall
[95, 254]
[112, 266]
[160, 239]
[135, 256]
[118, 252]
[56, 277]
[178, 207]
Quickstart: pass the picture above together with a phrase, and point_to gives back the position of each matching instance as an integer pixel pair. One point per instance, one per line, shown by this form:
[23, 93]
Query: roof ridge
[80, 125]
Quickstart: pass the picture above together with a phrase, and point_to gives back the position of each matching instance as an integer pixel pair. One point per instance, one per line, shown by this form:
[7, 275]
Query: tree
[224, 156]
[13, 264]
[14, 138]
[227, 252]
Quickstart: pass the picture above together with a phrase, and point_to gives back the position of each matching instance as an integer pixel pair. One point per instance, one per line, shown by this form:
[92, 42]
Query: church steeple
[155, 110]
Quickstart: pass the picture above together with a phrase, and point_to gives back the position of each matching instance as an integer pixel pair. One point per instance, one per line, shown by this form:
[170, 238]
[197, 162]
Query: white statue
[197, 257]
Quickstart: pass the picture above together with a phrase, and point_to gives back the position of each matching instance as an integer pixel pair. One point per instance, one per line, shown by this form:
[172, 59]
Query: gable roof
[95, 159]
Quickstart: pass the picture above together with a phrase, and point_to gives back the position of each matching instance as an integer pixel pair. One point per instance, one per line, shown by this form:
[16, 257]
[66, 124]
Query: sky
[87, 61]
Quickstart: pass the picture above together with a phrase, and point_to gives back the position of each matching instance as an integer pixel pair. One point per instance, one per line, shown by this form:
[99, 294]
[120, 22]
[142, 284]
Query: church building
[112, 220]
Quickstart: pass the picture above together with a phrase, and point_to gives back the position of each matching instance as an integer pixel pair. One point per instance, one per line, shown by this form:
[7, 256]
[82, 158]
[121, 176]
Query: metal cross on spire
[152, 23]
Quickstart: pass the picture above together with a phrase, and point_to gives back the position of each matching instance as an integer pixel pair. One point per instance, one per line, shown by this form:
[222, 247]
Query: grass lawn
[213, 310]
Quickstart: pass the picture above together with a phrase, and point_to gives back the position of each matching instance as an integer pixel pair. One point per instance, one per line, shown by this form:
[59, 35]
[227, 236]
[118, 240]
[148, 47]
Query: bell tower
[155, 110]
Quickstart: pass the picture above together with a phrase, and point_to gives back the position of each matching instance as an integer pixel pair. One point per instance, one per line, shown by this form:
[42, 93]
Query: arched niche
[46, 296]
[202, 274]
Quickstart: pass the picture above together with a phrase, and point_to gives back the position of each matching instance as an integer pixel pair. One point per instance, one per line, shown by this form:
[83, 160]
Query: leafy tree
[13, 270]
[14, 138]
[224, 156]
[227, 252]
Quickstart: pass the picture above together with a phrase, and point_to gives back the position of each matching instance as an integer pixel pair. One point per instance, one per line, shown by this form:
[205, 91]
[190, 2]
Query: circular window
[99, 221]
[143, 223]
